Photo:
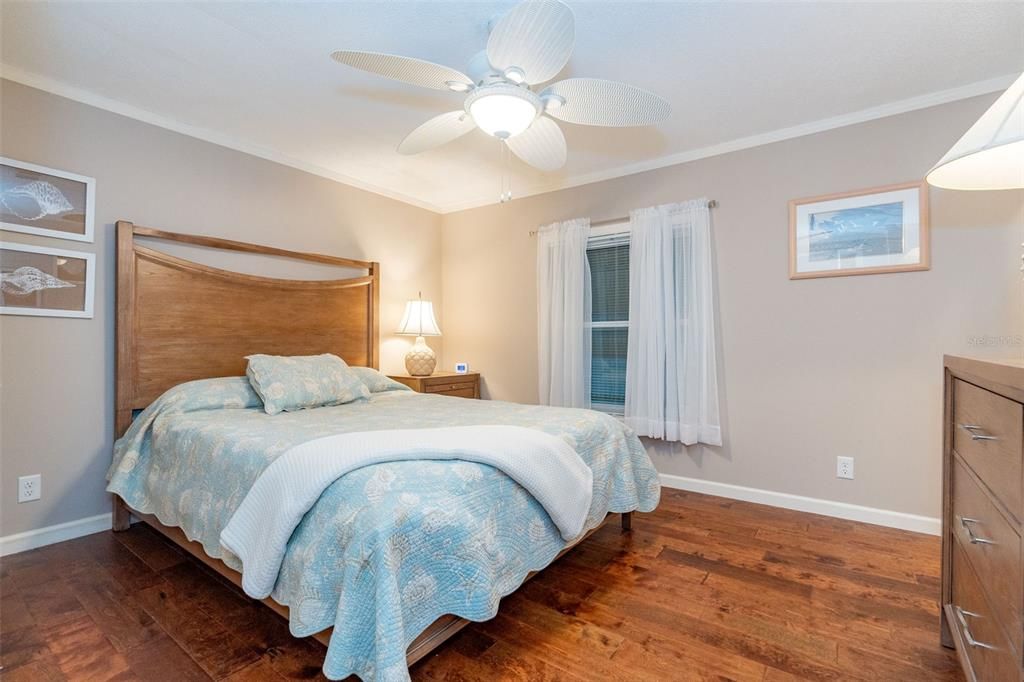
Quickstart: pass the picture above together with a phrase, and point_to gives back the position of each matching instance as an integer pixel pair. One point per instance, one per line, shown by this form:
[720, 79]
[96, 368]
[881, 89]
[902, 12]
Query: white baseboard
[31, 539]
[814, 505]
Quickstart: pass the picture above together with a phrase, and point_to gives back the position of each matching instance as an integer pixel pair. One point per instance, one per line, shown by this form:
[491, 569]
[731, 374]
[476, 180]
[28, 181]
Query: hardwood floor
[702, 589]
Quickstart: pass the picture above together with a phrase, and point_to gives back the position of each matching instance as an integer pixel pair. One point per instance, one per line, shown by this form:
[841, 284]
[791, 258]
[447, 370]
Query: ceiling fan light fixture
[503, 111]
[527, 46]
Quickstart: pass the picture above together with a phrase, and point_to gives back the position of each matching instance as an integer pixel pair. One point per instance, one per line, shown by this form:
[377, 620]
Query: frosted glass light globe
[503, 110]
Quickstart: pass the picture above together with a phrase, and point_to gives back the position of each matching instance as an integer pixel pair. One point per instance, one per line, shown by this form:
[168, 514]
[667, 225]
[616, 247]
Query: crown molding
[864, 115]
[33, 80]
[62, 89]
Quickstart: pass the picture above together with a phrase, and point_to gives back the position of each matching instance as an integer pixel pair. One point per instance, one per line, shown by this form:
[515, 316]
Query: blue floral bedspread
[388, 548]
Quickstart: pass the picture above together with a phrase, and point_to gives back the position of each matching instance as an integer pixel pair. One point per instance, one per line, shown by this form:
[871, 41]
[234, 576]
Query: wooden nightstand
[443, 383]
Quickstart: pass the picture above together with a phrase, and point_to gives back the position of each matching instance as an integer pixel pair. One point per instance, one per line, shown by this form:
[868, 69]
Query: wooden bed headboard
[178, 320]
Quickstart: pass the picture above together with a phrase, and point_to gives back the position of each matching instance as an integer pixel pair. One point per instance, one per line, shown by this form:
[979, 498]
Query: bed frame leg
[121, 516]
[627, 521]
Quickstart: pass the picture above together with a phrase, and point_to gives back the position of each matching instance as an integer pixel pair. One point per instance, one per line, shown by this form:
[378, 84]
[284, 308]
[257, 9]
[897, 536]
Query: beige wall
[58, 374]
[809, 369]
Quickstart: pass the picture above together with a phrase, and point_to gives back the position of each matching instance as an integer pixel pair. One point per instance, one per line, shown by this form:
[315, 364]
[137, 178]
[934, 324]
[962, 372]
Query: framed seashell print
[36, 280]
[44, 201]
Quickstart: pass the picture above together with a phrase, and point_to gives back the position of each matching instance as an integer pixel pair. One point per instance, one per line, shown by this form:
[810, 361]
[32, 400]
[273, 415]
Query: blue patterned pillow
[377, 382]
[300, 382]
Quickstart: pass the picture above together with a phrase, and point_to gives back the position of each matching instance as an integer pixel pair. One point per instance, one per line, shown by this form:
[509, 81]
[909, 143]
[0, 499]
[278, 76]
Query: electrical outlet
[30, 488]
[844, 467]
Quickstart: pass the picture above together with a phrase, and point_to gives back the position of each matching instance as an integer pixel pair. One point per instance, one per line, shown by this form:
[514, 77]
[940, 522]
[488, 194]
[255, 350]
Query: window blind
[609, 277]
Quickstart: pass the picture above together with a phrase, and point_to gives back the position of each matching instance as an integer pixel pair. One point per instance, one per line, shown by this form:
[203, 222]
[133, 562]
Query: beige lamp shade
[419, 320]
[990, 155]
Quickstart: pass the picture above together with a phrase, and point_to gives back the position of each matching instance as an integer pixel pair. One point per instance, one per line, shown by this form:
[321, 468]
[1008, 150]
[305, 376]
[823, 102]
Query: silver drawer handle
[961, 616]
[975, 539]
[971, 428]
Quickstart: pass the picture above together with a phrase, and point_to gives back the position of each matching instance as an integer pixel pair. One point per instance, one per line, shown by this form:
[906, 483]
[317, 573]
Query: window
[608, 255]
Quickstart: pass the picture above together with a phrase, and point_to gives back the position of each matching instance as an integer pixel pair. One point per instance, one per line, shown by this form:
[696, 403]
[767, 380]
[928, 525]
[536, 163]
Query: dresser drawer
[981, 637]
[993, 548]
[992, 444]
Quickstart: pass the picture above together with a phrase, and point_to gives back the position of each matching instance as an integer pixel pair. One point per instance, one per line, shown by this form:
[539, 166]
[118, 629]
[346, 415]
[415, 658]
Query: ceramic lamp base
[420, 361]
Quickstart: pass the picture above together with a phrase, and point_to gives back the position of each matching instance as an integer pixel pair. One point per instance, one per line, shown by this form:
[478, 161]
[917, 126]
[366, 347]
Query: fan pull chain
[505, 173]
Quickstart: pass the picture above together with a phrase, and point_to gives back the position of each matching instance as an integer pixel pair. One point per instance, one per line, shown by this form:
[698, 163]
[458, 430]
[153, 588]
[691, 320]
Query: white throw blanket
[258, 532]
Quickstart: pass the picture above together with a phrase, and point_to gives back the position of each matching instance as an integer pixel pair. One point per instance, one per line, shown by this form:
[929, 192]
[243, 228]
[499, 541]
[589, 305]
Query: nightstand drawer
[452, 387]
[468, 392]
[444, 383]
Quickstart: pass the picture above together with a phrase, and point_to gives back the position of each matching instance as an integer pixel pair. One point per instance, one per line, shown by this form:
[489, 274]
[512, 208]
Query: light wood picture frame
[46, 202]
[40, 281]
[864, 232]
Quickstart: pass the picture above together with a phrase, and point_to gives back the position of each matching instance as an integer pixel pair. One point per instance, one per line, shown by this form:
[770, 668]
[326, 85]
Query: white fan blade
[536, 36]
[407, 69]
[437, 131]
[542, 145]
[596, 102]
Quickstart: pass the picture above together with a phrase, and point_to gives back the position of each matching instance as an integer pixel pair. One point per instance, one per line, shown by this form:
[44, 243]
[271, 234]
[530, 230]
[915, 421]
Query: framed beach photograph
[36, 280]
[879, 230]
[44, 201]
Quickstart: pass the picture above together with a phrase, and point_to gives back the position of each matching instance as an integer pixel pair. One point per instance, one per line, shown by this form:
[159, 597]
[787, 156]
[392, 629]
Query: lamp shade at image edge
[990, 155]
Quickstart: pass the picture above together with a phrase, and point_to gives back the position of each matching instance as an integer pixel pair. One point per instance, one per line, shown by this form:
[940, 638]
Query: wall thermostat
[461, 367]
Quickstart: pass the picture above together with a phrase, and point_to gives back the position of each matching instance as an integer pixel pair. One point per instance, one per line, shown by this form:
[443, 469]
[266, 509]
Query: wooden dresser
[983, 507]
[443, 383]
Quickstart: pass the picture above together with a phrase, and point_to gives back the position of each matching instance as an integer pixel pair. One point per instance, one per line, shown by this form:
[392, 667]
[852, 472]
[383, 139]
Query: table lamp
[419, 321]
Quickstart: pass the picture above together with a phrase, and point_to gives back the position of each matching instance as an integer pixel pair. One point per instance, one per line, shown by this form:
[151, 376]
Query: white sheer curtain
[671, 375]
[563, 314]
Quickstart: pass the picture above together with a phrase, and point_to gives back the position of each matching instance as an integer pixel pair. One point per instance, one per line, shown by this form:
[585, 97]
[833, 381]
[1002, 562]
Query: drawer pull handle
[962, 616]
[971, 428]
[975, 539]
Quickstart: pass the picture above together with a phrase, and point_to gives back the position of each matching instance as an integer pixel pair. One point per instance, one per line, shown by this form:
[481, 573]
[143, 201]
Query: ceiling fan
[527, 46]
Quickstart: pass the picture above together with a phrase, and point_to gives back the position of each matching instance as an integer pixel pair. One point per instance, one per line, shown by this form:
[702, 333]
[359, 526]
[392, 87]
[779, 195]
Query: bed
[393, 558]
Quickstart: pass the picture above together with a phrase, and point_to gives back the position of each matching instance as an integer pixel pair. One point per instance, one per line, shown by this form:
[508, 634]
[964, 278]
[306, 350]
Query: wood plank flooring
[702, 589]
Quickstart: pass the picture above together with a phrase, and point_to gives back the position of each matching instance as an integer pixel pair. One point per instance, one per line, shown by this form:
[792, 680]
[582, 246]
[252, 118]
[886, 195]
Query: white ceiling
[258, 77]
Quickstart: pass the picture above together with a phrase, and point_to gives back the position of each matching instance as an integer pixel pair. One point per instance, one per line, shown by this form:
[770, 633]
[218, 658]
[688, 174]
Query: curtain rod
[611, 221]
